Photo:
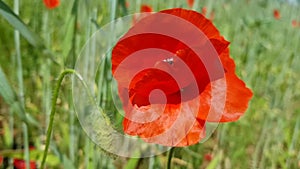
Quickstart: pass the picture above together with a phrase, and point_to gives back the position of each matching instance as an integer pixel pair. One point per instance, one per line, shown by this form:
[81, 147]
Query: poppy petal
[146, 8]
[21, 164]
[169, 125]
[227, 61]
[276, 14]
[205, 25]
[51, 3]
[190, 3]
[229, 101]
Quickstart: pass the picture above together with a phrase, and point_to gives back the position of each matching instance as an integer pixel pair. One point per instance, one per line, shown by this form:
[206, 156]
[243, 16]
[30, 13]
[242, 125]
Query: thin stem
[21, 85]
[53, 110]
[74, 39]
[53, 107]
[171, 152]
[26, 145]
[19, 59]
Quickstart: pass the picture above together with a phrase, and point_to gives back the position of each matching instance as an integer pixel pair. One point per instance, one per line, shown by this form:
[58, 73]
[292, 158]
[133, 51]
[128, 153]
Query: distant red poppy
[204, 10]
[190, 3]
[146, 8]
[212, 15]
[208, 157]
[170, 89]
[21, 164]
[127, 4]
[145, 11]
[294, 23]
[276, 14]
[51, 3]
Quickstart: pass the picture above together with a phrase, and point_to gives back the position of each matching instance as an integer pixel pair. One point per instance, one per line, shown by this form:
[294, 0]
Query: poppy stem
[171, 152]
[53, 107]
[53, 110]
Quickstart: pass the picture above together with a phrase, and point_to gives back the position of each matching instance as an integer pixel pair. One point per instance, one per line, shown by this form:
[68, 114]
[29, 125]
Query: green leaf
[8, 135]
[5, 90]
[10, 97]
[133, 162]
[67, 163]
[18, 24]
[123, 5]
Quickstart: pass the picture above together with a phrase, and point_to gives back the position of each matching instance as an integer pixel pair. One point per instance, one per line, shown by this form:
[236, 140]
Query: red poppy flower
[212, 15]
[172, 81]
[294, 23]
[146, 8]
[204, 11]
[127, 4]
[276, 14]
[51, 3]
[208, 157]
[21, 164]
[190, 3]
[145, 11]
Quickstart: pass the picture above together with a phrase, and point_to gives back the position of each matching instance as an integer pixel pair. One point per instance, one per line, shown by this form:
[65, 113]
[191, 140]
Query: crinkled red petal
[169, 125]
[224, 100]
[205, 25]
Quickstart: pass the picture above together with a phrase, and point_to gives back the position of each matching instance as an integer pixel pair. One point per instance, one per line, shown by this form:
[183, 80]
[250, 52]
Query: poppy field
[113, 84]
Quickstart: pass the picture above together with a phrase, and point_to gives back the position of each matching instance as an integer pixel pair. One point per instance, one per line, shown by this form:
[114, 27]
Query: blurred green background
[266, 50]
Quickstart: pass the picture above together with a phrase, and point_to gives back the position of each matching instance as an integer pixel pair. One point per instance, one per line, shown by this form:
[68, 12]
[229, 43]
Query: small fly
[169, 60]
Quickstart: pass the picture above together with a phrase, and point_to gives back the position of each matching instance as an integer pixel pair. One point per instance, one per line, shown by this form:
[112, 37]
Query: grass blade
[18, 24]
[10, 97]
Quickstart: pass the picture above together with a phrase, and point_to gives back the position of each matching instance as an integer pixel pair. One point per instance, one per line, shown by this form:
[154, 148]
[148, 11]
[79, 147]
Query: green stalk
[74, 39]
[73, 60]
[19, 59]
[196, 5]
[170, 155]
[87, 151]
[53, 108]
[72, 134]
[26, 144]
[294, 140]
[21, 85]
[138, 5]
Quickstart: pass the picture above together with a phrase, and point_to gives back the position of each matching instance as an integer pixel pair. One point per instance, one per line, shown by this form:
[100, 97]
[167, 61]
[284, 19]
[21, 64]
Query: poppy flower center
[157, 96]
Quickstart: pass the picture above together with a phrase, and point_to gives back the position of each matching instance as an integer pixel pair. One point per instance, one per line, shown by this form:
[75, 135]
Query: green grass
[266, 52]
